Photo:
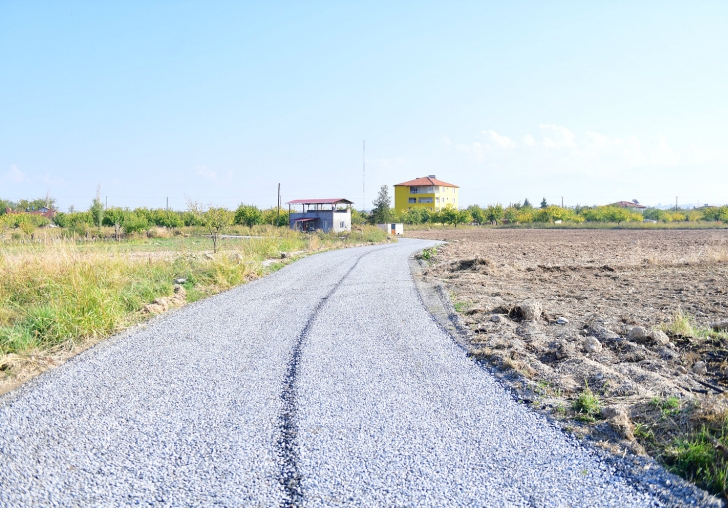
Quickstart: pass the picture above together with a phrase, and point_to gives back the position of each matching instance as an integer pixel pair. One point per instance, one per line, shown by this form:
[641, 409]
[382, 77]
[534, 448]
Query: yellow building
[425, 192]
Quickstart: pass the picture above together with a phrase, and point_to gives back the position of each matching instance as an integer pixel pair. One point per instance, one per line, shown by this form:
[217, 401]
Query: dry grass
[59, 296]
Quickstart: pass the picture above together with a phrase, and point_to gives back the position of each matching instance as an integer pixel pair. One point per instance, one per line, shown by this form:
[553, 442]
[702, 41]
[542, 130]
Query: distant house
[632, 205]
[426, 192]
[48, 213]
[324, 214]
[393, 229]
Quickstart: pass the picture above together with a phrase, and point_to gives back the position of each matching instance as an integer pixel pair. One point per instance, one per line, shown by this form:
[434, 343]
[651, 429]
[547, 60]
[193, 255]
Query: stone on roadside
[660, 337]
[592, 345]
[720, 326]
[209, 256]
[561, 320]
[637, 333]
[180, 281]
[530, 310]
[612, 411]
[496, 318]
[700, 368]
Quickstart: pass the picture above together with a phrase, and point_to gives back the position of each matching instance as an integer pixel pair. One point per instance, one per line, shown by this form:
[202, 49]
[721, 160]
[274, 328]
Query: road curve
[324, 384]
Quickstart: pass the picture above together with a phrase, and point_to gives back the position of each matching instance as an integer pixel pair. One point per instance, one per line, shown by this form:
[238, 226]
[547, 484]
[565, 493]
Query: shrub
[248, 215]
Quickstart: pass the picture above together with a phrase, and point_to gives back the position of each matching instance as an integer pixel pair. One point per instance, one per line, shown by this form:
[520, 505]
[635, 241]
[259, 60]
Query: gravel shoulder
[326, 383]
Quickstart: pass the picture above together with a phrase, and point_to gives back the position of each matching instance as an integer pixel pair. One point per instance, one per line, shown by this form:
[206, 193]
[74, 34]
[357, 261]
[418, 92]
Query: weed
[701, 458]
[642, 431]
[669, 406]
[427, 254]
[461, 306]
[587, 405]
[683, 324]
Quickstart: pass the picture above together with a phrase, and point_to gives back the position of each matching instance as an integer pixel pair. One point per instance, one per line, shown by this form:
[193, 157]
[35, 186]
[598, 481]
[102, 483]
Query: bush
[248, 215]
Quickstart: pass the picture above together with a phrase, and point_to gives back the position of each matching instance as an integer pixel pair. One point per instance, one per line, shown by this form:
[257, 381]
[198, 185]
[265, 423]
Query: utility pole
[167, 203]
[278, 216]
[562, 201]
[676, 203]
[107, 202]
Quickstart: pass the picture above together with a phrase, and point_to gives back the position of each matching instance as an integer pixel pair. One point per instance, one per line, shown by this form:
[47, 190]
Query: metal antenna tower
[363, 173]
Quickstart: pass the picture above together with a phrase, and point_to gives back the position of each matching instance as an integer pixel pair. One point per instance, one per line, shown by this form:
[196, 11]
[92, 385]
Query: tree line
[526, 213]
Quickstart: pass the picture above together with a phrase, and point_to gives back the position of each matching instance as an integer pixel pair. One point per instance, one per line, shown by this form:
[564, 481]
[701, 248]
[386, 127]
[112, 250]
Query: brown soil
[602, 283]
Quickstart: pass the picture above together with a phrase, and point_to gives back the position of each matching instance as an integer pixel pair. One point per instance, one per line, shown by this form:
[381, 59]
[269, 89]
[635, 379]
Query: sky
[219, 102]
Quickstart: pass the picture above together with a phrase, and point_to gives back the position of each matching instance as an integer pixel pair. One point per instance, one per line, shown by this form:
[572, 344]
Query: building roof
[333, 201]
[425, 181]
[629, 204]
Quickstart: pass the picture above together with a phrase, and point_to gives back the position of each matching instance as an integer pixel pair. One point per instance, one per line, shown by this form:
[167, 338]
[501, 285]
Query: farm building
[45, 212]
[426, 192]
[632, 205]
[395, 228]
[324, 214]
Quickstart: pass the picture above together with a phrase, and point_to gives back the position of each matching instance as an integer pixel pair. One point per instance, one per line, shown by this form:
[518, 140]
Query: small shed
[325, 214]
[394, 228]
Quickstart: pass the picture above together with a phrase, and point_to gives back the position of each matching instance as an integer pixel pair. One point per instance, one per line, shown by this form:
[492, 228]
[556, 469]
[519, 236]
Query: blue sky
[221, 101]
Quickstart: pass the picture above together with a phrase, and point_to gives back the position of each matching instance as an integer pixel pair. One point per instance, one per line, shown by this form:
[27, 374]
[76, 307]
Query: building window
[412, 200]
[342, 225]
[413, 190]
[425, 200]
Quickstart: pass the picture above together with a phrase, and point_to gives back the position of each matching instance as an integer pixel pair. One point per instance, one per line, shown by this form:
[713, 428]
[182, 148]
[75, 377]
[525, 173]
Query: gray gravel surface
[324, 384]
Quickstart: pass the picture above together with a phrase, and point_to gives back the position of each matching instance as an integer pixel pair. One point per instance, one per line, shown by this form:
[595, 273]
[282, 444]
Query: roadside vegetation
[546, 215]
[66, 285]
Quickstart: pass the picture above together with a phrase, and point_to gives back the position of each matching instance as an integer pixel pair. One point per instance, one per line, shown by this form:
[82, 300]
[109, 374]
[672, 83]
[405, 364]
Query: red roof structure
[425, 181]
[629, 204]
[334, 201]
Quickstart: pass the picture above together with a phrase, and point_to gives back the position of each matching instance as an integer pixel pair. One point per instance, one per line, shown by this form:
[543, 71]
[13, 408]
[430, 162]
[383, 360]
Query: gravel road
[326, 383]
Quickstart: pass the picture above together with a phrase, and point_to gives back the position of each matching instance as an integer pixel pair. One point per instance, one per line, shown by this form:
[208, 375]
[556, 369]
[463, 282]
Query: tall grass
[62, 291]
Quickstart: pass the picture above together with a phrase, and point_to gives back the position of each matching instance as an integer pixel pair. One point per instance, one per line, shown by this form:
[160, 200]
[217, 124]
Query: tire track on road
[287, 444]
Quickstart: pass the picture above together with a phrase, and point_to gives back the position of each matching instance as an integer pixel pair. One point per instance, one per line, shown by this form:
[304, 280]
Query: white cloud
[501, 141]
[15, 175]
[49, 180]
[206, 172]
[662, 154]
[561, 152]
[560, 137]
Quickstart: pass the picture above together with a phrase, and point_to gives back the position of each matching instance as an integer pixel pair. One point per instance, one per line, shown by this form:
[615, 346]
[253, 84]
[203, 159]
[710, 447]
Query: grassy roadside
[59, 297]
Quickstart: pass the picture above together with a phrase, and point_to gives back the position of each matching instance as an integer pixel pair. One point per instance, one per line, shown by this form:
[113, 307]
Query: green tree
[510, 215]
[544, 204]
[382, 211]
[451, 215]
[97, 212]
[133, 222]
[358, 218]
[494, 213]
[477, 213]
[115, 217]
[527, 203]
[215, 220]
[463, 217]
[248, 215]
